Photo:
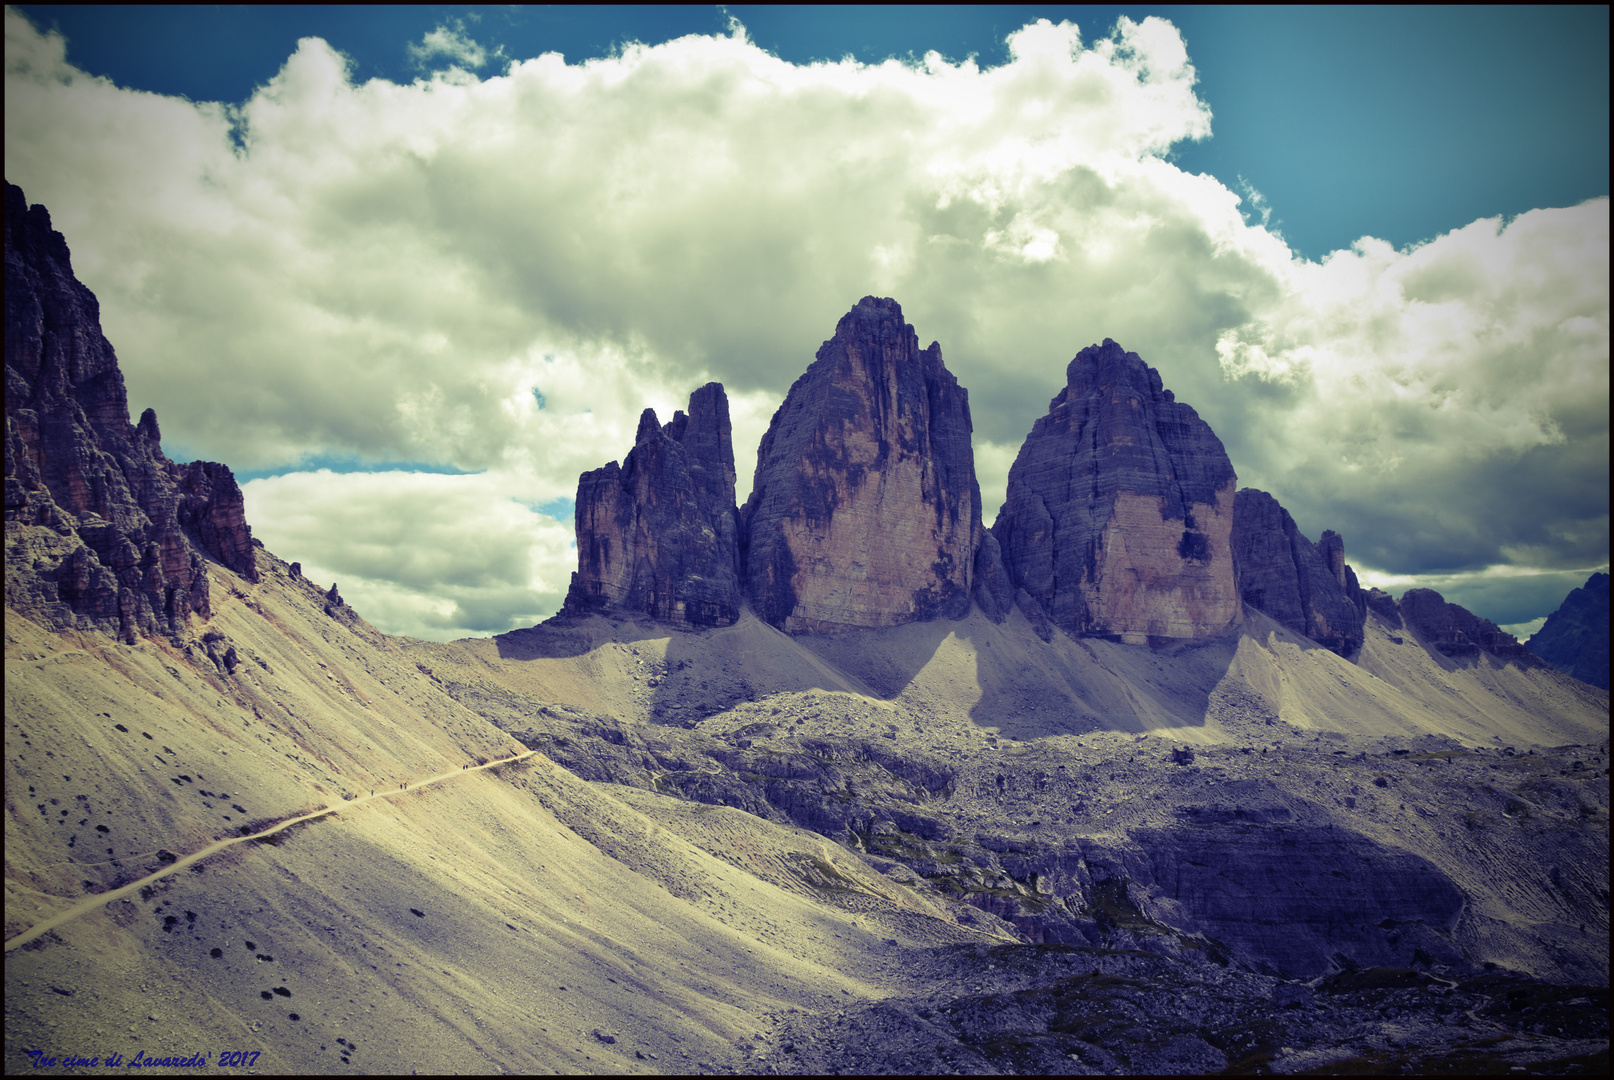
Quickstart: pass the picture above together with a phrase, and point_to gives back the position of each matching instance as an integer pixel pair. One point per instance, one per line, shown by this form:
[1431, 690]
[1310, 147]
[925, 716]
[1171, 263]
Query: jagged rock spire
[131, 528]
[657, 536]
[865, 510]
[1304, 586]
[1120, 509]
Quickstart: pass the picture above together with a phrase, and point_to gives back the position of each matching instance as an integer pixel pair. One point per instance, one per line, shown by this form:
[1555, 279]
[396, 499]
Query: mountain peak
[865, 510]
[1119, 513]
[102, 530]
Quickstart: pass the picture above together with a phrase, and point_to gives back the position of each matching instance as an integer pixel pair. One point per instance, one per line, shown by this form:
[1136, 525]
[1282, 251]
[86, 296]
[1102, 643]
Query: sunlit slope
[144, 748]
[959, 684]
[502, 919]
[495, 916]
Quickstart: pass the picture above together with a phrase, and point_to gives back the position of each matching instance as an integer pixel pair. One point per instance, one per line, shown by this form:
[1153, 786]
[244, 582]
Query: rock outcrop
[102, 530]
[865, 511]
[1575, 637]
[1453, 630]
[1304, 586]
[658, 536]
[1119, 514]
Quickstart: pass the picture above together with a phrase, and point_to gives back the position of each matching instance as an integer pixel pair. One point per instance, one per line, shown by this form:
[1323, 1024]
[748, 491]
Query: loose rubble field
[854, 857]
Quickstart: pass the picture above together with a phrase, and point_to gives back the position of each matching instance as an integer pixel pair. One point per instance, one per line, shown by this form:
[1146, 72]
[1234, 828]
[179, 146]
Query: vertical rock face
[865, 511]
[102, 530]
[1120, 508]
[1451, 629]
[658, 535]
[1305, 587]
[1575, 637]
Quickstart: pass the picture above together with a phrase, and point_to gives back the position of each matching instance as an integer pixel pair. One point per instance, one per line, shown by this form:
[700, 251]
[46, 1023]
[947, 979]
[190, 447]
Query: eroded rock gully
[103, 531]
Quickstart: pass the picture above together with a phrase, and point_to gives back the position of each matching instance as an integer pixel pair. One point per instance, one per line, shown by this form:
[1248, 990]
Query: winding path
[100, 900]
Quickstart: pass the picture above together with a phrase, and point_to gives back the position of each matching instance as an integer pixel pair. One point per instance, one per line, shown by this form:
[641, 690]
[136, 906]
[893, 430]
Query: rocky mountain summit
[1575, 637]
[1121, 519]
[1120, 508]
[659, 534]
[865, 510]
[1453, 630]
[1307, 587]
[102, 530]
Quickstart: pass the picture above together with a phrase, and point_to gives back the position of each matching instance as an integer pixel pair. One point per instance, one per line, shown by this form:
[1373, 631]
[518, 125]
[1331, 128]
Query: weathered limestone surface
[1575, 637]
[658, 535]
[865, 510]
[1306, 587]
[1452, 629]
[1292, 897]
[1119, 514]
[102, 530]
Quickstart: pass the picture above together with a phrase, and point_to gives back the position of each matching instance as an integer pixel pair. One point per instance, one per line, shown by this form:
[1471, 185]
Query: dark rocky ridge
[103, 531]
[1575, 637]
[1120, 506]
[1453, 630]
[658, 536]
[1307, 587]
[865, 510]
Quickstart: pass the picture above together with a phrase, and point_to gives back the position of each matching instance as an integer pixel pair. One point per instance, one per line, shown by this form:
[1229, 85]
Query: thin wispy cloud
[449, 41]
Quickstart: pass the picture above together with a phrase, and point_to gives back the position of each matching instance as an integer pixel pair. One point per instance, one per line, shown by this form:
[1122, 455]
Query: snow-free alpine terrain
[687, 838]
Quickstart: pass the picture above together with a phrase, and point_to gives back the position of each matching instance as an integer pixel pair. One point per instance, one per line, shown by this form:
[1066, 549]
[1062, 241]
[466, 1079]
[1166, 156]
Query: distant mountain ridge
[1121, 519]
[1574, 639]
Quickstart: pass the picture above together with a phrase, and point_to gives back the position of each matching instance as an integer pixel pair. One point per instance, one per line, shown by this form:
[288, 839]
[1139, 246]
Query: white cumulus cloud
[449, 41]
[389, 272]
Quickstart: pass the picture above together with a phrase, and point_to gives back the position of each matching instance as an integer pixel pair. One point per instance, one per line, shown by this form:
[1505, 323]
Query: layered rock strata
[103, 531]
[1119, 514]
[658, 535]
[865, 510]
[1453, 630]
[1575, 637]
[1306, 587]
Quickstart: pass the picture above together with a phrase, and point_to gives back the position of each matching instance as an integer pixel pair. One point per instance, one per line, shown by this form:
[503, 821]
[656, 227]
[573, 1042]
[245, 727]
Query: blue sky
[411, 273]
[1396, 122]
